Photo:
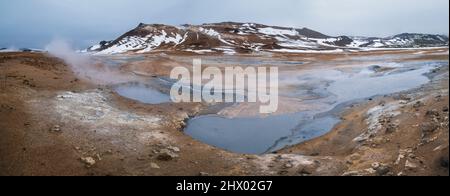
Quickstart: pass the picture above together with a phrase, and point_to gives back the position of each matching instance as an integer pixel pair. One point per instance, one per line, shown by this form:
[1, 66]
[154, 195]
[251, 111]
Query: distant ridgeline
[231, 38]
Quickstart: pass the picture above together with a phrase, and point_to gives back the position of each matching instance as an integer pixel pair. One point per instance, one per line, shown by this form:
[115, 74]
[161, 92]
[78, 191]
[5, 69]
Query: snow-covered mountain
[231, 38]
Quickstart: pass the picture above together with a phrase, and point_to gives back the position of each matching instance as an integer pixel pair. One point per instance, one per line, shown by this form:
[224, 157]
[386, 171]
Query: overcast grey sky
[33, 23]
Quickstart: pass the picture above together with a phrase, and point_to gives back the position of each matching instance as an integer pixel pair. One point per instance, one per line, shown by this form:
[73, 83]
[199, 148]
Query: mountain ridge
[234, 37]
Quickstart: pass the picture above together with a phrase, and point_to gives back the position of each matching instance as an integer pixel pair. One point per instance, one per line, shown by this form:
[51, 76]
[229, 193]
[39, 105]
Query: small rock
[410, 165]
[98, 157]
[26, 82]
[174, 149]
[432, 113]
[154, 166]
[352, 173]
[405, 97]
[141, 158]
[427, 127]
[194, 162]
[56, 128]
[445, 109]
[375, 165]
[391, 128]
[418, 104]
[444, 162]
[203, 174]
[166, 155]
[288, 166]
[251, 157]
[89, 161]
[278, 158]
[307, 170]
[382, 170]
[369, 171]
[355, 157]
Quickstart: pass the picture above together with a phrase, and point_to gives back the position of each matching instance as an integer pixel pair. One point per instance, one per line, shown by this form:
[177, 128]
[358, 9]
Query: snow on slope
[231, 38]
[142, 44]
[273, 31]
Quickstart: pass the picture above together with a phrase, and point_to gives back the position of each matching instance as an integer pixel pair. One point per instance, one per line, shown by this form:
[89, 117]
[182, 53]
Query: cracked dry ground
[52, 123]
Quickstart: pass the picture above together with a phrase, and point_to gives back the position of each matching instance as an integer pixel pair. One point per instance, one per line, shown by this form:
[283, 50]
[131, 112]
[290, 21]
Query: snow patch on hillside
[273, 31]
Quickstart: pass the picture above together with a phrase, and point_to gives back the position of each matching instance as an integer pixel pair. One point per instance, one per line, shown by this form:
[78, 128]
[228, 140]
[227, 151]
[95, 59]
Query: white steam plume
[84, 66]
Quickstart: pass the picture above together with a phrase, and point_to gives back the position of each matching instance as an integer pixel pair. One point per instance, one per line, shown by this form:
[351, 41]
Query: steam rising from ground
[84, 66]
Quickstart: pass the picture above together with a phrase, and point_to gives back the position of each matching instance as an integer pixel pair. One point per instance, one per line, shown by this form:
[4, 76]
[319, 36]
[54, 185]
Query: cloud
[85, 21]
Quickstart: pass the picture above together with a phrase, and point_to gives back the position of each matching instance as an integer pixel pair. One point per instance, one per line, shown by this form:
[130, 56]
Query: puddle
[262, 135]
[245, 135]
[366, 85]
[142, 93]
[257, 135]
[247, 61]
[117, 61]
[138, 91]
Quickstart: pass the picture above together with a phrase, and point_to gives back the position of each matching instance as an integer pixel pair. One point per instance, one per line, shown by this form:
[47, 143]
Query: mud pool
[328, 88]
[142, 93]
